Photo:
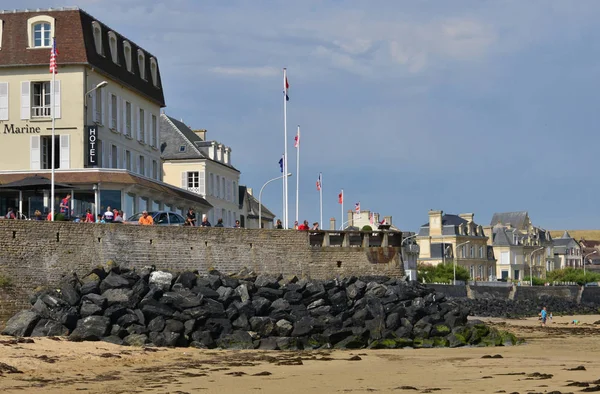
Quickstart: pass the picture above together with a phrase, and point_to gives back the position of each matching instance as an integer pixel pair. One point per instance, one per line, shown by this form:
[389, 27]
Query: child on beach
[544, 315]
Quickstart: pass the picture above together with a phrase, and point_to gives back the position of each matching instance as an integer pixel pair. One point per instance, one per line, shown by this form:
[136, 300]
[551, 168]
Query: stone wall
[35, 254]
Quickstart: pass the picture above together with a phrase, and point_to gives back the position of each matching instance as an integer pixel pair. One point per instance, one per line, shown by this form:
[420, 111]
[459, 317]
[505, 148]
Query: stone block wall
[36, 254]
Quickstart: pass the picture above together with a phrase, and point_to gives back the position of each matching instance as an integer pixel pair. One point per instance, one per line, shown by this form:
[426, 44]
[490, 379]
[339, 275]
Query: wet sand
[543, 365]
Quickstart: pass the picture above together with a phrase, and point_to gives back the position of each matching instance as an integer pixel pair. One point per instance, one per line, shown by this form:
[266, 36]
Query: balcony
[195, 190]
[41, 112]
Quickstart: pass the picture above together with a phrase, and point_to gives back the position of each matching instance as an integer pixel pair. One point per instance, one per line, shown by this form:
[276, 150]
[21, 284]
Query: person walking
[544, 316]
[64, 206]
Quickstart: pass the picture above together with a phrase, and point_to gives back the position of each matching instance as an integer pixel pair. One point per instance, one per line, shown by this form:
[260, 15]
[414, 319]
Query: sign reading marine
[11, 129]
[91, 146]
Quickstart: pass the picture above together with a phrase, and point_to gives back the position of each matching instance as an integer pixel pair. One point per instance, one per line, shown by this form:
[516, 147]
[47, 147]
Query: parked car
[161, 218]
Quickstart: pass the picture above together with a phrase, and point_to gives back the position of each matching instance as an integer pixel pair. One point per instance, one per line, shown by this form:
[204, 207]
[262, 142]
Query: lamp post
[260, 196]
[456, 259]
[531, 263]
[407, 238]
[584, 257]
[99, 86]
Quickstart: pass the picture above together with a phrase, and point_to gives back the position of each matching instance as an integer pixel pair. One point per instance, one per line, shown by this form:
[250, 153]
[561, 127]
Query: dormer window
[182, 148]
[112, 43]
[40, 30]
[97, 30]
[141, 63]
[154, 71]
[127, 54]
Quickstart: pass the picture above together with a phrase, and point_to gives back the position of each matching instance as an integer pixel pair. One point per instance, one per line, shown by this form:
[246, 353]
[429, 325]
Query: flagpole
[321, 199]
[285, 166]
[53, 131]
[342, 204]
[283, 192]
[297, 168]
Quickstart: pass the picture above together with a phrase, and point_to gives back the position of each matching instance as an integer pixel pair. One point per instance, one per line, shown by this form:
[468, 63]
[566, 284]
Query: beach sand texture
[562, 358]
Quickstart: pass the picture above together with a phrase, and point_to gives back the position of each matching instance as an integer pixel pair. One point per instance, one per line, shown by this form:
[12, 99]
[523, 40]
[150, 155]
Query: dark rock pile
[497, 307]
[248, 311]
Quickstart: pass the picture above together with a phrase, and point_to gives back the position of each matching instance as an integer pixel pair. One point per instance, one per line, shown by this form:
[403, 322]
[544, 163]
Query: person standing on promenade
[278, 225]
[145, 219]
[205, 222]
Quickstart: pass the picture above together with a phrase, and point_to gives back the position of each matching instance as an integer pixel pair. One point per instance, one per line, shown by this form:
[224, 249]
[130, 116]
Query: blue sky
[466, 106]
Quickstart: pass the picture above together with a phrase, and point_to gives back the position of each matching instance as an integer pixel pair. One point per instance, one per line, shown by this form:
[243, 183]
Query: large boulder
[21, 324]
[91, 328]
[236, 340]
[113, 281]
[161, 280]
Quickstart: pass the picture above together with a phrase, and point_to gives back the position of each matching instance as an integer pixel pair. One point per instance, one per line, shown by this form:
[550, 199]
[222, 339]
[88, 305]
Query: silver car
[161, 218]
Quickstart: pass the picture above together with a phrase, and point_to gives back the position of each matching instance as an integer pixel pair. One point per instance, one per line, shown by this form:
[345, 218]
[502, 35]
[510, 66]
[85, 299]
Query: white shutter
[55, 93]
[3, 100]
[34, 152]
[94, 107]
[147, 127]
[65, 161]
[124, 117]
[119, 129]
[103, 107]
[136, 116]
[109, 123]
[202, 183]
[109, 164]
[26, 101]
[184, 180]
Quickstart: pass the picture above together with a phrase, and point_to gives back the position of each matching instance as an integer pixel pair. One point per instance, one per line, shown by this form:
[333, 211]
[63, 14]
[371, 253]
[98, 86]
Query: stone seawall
[36, 254]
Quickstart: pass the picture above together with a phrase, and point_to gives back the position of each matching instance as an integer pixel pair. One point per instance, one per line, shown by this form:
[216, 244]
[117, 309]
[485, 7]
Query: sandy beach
[561, 358]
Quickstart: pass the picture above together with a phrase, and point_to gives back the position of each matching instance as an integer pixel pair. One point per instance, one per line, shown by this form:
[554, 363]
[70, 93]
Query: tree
[441, 273]
[367, 229]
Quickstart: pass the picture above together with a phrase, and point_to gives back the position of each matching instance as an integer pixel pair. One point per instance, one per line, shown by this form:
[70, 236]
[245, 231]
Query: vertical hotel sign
[91, 146]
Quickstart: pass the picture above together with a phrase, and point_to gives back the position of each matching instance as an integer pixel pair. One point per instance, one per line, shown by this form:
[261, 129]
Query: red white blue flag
[319, 182]
[53, 56]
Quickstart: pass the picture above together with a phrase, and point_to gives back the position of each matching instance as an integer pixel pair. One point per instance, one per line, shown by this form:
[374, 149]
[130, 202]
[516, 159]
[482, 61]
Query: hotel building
[106, 102]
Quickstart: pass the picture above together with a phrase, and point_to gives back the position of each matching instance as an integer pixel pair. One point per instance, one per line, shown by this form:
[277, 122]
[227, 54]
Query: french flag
[286, 85]
[319, 182]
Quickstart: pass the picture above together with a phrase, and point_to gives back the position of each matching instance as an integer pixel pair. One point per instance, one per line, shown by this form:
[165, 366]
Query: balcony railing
[194, 190]
[41, 112]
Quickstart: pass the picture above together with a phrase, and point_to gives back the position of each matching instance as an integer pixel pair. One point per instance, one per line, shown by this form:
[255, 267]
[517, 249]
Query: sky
[465, 106]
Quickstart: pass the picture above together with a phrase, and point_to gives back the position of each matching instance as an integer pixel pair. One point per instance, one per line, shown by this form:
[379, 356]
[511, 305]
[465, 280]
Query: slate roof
[516, 219]
[75, 44]
[173, 135]
[253, 205]
[501, 238]
[450, 224]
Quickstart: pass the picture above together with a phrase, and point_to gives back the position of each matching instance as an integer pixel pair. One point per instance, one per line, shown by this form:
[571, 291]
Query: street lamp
[260, 197]
[589, 254]
[407, 238]
[99, 86]
[531, 263]
[456, 259]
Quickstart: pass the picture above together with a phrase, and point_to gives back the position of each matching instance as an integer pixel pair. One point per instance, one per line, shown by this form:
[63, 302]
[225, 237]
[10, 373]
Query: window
[142, 166]
[46, 152]
[142, 63]
[128, 118]
[218, 188]
[222, 187]
[212, 184]
[154, 169]
[154, 136]
[127, 54]
[472, 252]
[142, 126]
[97, 30]
[41, 35]
[112, 43]
[114, 109]
[128, 160]
[192, 179]
[182, 148]
[154, 71]
[235, 193]
[41, 104]
[174, 219]
[3, 94]
[114, 156]
[98, 109]
[481, 252]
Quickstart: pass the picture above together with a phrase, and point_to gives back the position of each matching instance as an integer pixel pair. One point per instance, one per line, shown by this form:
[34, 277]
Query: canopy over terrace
[96, 189]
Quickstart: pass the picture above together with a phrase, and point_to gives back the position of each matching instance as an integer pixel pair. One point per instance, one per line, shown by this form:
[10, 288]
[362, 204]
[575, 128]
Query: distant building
[567, 252]
[517, 243]
[590, 251]
[357, 220]
[202, 167]
[249, 211]
[456, 238]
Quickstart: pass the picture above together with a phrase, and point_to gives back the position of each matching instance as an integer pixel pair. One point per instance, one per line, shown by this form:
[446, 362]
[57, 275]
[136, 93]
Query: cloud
[249, 72]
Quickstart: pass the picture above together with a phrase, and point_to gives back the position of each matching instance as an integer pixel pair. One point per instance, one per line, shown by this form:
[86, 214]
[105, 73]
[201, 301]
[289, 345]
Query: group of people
[190, 220]
[303, 226]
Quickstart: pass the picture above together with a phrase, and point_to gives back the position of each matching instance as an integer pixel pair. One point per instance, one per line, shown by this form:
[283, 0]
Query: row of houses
[114, 144]
[509, 248]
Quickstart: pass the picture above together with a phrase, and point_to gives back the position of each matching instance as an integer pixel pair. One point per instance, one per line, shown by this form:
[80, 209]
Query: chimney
[435, 222]
[201, 133]
[376, 218]
[211, 150]
[332, 224]
[467, 216]
[388, 220]
[220, 152]
[350, 218]
[249, 190]
[227, 158]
